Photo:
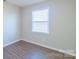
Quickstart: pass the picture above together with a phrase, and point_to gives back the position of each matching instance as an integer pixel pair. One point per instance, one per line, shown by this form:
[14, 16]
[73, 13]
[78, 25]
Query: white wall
[11, 26]
[62, 24]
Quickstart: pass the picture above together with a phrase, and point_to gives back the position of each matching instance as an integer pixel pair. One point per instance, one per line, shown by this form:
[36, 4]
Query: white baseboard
[11, 43]
[59, 50]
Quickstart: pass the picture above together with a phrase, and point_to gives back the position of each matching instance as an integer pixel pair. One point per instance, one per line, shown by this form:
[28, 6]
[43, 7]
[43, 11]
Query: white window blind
[40, 21]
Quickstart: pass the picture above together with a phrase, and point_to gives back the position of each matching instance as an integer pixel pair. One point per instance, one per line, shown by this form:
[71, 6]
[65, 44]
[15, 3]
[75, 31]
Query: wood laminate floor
[25, 50]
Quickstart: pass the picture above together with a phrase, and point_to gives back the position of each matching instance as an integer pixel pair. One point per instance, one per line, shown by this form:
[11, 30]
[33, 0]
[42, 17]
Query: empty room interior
[39, 29]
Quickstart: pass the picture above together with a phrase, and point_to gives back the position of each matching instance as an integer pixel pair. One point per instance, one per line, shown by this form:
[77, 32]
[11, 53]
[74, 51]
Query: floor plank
[25, 50]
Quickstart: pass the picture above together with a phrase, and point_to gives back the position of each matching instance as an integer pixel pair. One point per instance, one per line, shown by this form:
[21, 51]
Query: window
[40, 21]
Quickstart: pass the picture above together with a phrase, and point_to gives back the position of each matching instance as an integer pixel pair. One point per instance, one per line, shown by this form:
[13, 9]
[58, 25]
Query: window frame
[41, 22]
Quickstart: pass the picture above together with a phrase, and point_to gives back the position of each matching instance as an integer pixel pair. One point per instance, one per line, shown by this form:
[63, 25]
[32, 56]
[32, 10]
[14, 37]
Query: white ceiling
[24, 2]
